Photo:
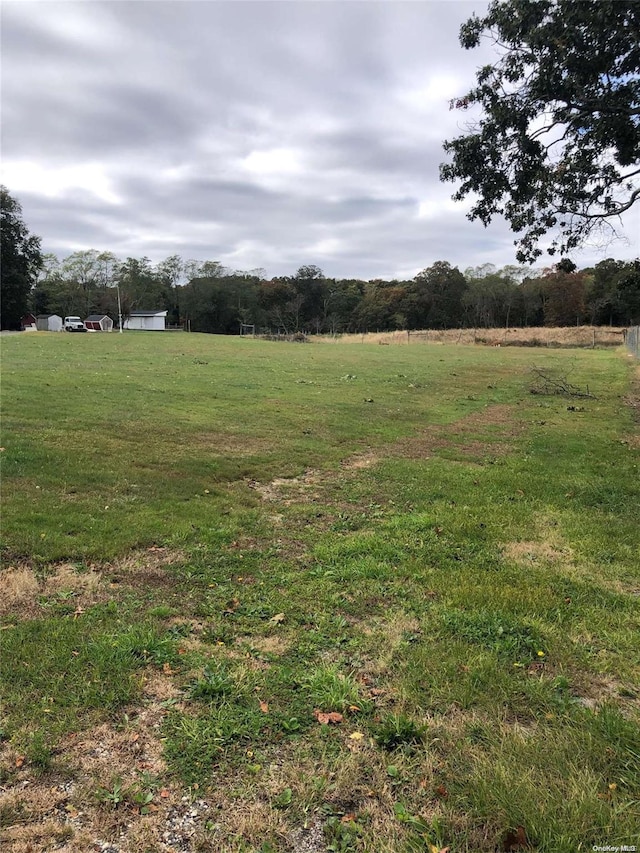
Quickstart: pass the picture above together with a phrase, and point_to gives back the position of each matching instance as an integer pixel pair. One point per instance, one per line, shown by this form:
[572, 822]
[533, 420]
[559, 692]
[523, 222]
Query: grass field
[271, 597]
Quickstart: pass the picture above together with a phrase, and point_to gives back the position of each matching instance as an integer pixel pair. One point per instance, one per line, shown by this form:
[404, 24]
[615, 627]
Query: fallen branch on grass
[546, 383]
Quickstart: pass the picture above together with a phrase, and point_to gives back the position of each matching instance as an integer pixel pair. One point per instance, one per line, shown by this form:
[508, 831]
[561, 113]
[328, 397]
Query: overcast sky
[258, 134]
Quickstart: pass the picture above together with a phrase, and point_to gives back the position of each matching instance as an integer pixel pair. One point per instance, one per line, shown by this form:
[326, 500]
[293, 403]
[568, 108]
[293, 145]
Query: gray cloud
[266, 134]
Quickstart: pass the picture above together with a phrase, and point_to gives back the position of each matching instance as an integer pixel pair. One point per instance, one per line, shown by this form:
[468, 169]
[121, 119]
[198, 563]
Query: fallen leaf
[356, 736]
[441, 791]
[264, 707]
[347, 818]
[182, 651]
[164, 793]
[327, 718]
[20, 761]
[354, 709]
[134, 738]
[277, 619]
[166, 668]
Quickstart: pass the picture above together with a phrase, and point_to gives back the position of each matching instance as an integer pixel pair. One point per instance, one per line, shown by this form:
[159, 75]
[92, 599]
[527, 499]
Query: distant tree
[107, 265]
[141, 287]
[41, 294]
[20, 261]
[310, 286]
[172, 271]
[558, 146]
[341, 299]
[385, 306]
[490, 300]
[613, 293]
[82, 271]
[564, 294]
[629, 294]
[439, 290]
[566, 265]
[532, 301]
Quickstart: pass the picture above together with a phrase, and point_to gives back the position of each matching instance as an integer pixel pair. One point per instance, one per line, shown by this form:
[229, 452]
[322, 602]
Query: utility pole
[119, 308]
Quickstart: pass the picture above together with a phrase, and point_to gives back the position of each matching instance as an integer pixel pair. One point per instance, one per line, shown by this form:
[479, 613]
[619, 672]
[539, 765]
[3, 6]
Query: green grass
[452, 567]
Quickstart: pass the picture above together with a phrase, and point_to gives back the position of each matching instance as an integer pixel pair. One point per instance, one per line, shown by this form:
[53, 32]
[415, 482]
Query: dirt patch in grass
[525, 553]
[461, 437]
[102, 783]
[464, 436]
[142, 569]
[288, 490]
[632, 441]
[594, 691]
[27, 590]
[265, 645]
[227, 444]
[360, 461]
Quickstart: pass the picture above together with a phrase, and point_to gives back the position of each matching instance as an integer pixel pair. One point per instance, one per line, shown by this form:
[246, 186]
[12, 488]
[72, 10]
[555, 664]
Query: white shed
[49, 323]
[150, 321]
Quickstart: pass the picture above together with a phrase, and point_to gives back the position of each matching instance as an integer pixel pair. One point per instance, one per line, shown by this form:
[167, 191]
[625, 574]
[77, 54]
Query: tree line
[211, 298]
[205, 296]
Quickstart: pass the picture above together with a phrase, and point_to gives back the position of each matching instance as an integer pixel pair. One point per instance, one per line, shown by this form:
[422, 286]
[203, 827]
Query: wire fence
[632, 340]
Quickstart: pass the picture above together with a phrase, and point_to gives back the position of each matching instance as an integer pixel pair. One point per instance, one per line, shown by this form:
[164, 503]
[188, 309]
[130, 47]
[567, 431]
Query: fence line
[632, 340]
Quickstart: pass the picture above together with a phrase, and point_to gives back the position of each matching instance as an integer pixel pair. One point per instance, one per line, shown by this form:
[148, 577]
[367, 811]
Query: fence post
[632, 340]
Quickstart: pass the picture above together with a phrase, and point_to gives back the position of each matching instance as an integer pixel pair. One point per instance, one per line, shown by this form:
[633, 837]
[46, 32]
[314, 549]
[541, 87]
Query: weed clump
[398, 730]
[215, 683]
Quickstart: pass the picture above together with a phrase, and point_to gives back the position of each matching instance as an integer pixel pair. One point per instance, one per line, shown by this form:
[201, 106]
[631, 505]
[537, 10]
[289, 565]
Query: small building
[99, 323]
[148, 321]
[49, 323]
[29, 323]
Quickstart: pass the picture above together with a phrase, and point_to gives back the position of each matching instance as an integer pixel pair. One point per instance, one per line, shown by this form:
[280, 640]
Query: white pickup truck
[74, 324]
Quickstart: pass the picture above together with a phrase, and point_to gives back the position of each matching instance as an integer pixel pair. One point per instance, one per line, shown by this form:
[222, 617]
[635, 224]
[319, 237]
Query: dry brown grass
[26, 589]
[389, 635]
[227, 444]
[288, 490]
[69, 810]
[526, 553]
[570, 336]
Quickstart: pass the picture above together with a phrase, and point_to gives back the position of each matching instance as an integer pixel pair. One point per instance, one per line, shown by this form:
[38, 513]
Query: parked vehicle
[74, 324]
